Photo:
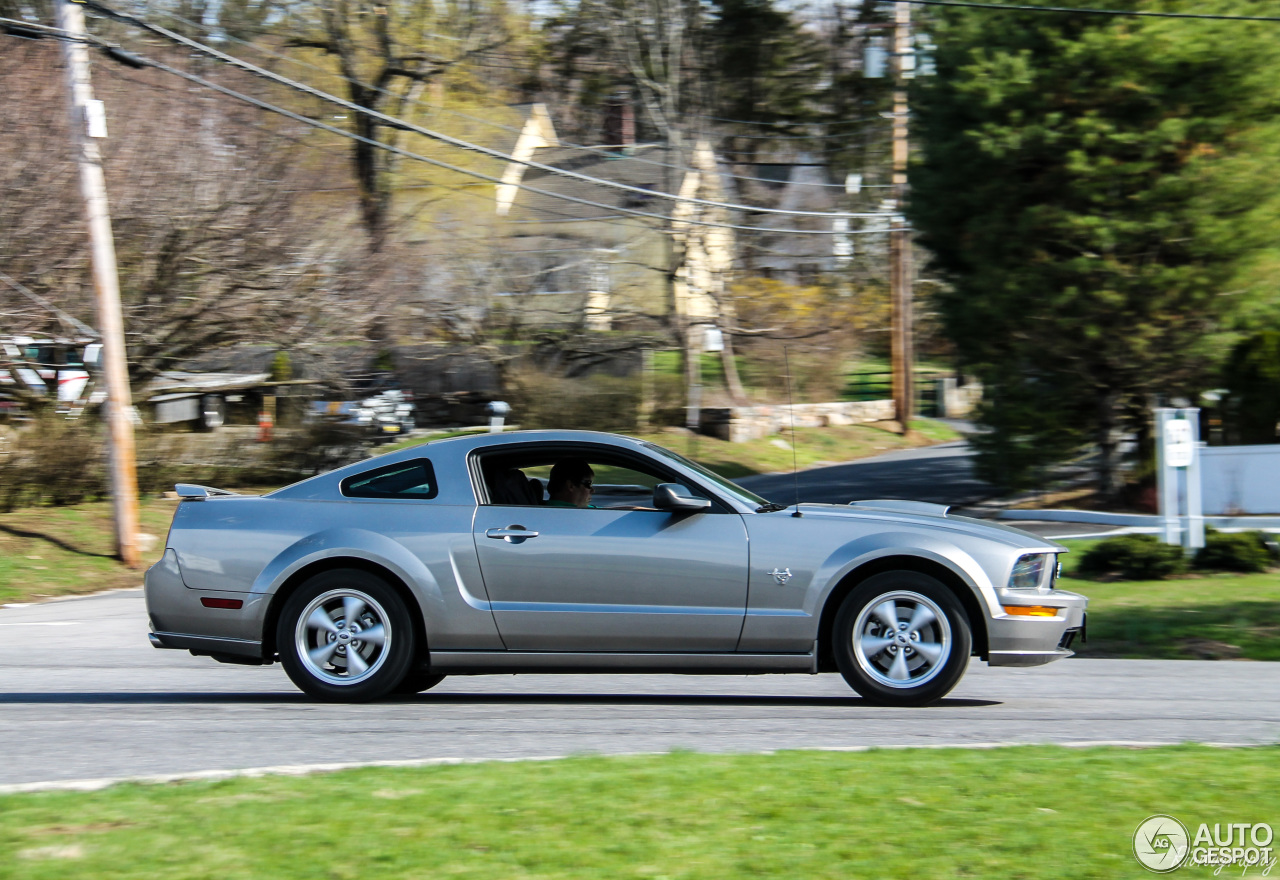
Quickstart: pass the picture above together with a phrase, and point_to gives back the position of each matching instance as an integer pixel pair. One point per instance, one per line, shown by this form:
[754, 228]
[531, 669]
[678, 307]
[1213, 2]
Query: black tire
[861, 626]
[317, 655]
[417, 681]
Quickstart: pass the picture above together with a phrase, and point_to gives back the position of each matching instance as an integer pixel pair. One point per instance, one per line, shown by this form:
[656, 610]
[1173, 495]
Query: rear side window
[414, 480]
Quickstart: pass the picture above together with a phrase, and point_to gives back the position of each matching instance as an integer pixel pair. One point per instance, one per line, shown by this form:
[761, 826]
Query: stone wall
[739, 424]
[957, 401]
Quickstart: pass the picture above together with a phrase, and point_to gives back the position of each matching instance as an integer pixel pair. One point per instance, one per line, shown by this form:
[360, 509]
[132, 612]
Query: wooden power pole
[87, 123]
[900, 269]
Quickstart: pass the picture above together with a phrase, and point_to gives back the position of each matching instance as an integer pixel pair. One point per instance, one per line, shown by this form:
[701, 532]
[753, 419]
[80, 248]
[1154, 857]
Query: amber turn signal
[1031, 610]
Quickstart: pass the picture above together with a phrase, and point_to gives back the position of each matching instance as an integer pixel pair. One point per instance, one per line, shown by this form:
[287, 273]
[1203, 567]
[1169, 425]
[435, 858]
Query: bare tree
[387, 52]
[217, 239]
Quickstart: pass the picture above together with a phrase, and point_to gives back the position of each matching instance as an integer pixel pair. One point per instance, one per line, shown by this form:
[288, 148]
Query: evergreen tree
[1089, 186]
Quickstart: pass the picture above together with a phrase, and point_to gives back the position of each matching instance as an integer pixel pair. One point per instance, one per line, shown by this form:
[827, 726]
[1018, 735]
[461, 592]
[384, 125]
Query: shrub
[1133, 557]
[52, 460]
[591, 403]
[1238, 551]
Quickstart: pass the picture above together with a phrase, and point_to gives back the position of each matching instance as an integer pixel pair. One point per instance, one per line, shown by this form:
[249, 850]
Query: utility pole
[900, 269]
[87, 123]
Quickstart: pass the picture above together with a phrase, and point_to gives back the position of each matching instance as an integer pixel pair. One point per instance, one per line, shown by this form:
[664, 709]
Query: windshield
[726, 486]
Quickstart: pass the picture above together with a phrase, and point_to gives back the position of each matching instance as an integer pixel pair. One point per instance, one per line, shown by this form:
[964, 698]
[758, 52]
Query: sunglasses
[586, 484]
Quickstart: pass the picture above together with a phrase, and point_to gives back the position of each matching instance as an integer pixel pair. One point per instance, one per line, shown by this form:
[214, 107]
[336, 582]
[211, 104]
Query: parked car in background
[60, 370]
[382, 411]
[450, 558]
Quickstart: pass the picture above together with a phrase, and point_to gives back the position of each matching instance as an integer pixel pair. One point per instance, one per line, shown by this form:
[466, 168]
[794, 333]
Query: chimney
[620, 121]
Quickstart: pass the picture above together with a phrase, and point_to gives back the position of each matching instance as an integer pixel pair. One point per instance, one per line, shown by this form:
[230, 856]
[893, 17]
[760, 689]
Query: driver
[570, 483]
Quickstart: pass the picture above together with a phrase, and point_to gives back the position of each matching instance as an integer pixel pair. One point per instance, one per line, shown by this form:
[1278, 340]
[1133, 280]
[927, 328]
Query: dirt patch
[1208, 649]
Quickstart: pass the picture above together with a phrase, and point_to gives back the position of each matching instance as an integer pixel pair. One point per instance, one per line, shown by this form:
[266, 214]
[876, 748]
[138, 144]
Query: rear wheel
[901, 638]
[346, 636]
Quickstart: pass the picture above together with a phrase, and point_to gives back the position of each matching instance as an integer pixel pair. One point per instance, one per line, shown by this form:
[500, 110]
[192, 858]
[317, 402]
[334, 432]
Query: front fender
[862, 551]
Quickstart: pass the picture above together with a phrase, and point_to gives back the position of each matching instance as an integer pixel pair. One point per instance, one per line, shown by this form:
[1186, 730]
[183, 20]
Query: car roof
[447, 454]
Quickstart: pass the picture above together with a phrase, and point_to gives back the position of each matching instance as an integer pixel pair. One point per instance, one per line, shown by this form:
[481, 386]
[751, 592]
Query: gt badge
[781, 576]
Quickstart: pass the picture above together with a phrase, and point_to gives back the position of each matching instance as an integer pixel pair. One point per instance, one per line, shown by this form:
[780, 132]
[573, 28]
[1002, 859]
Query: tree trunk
[374, 196]
[731, 380]
[1108, 450]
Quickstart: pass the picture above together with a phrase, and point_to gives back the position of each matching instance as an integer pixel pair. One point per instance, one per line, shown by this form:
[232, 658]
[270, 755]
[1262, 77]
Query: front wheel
[345, 636]
[901, 638]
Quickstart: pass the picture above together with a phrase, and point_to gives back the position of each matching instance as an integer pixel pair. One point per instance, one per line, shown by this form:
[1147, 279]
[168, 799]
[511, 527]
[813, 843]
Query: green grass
[1026, 812]
[813, 446]
[1195, 616]
[57, 551]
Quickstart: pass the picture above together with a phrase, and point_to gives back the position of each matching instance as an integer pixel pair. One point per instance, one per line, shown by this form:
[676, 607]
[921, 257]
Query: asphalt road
[84, 696]
[942, 474]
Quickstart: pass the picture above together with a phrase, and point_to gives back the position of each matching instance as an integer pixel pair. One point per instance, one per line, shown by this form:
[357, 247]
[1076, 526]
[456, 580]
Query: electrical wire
[865, 123]
[289, 114]
[392, 121]
[1121, 13]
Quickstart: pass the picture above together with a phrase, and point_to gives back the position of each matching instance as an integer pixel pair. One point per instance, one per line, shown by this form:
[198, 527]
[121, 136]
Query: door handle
[511, 534]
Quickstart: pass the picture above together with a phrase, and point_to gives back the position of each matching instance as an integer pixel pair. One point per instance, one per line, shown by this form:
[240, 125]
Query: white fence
[1240, 479]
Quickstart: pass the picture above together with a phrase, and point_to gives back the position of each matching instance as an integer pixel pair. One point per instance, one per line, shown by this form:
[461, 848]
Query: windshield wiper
[771, 507]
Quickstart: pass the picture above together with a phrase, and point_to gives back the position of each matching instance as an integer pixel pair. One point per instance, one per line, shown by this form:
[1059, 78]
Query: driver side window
[575, 477]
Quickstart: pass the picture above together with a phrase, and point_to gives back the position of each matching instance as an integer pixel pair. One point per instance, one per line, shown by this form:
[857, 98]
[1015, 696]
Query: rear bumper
[1033, 641]
[204, 645]
[176, 612]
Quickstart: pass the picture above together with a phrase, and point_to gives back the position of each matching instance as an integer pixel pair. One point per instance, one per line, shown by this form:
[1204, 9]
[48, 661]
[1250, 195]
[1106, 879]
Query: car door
[616, 580]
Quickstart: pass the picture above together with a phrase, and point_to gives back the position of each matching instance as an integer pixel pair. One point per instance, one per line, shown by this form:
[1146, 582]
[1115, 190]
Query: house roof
[620, 167]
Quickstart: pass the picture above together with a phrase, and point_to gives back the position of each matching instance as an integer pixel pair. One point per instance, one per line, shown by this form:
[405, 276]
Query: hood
[932, 516]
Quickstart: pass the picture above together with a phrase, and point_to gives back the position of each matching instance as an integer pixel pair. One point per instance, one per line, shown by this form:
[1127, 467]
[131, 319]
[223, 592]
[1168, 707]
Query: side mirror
[673, 496]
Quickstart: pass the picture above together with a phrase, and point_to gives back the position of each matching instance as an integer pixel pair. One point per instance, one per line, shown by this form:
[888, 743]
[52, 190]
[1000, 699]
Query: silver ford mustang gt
[450, 559]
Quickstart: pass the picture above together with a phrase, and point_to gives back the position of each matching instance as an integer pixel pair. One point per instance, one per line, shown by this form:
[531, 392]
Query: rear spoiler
[189, 491]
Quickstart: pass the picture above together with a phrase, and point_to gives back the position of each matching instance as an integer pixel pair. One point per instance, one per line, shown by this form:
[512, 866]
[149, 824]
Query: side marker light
[211, 602]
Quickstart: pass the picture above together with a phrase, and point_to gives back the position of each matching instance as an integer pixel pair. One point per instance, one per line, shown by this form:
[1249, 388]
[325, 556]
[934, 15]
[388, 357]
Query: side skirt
[485, 662]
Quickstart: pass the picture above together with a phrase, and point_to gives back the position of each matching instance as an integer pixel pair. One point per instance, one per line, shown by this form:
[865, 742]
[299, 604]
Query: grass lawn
[1195, 616]
[1025, 812]
[57, 551]
[813, 446]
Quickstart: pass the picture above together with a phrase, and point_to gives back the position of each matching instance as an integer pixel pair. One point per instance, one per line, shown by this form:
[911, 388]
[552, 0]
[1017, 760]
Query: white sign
[95, 115]
[1178, 448]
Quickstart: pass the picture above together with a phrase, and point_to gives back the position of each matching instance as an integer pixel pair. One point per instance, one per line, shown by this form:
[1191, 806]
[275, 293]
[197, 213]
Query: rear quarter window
[408, 480]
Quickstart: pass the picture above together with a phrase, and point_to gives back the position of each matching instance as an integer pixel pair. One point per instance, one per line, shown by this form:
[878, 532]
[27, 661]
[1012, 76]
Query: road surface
[84, 696]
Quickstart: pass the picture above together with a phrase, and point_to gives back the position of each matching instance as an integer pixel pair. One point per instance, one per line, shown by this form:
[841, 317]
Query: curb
[310, 769]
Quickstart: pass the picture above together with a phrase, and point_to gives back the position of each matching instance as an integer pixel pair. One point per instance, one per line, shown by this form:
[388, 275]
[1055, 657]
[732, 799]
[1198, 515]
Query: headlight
[1028, 572]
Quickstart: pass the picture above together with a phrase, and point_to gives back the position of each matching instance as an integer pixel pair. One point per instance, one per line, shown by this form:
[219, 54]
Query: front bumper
[1033, 641]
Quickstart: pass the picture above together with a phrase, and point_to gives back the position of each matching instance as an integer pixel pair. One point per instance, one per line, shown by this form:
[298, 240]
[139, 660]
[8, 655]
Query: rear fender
[360, 544]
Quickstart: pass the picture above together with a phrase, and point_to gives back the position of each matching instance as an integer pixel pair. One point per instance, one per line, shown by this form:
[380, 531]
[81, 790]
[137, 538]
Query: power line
[864, 123]
[289, 114]
[443, 138]
[1121, 13]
